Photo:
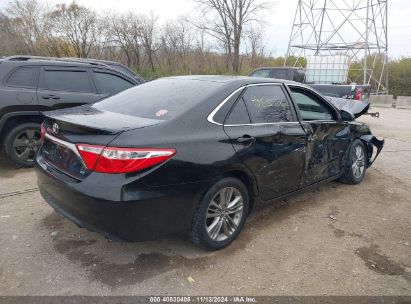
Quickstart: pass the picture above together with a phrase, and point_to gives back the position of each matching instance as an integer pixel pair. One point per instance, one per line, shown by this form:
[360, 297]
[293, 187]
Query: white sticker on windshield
[161, 112]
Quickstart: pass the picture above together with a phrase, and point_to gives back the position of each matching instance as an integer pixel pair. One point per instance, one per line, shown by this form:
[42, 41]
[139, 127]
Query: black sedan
[193, 154]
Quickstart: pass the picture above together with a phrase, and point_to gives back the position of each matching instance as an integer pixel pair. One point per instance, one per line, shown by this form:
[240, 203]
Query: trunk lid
[63, 129]
[89, 117]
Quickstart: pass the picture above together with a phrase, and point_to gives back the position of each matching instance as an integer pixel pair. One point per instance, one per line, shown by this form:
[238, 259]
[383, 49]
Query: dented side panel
[327, 143]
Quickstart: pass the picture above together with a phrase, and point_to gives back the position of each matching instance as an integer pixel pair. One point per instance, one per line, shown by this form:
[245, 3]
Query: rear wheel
[356, 163]
[21, 144]
[221, 214]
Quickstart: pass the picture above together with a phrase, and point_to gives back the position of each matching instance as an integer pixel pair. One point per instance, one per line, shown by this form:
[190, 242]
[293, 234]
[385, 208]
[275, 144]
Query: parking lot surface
[334, 240]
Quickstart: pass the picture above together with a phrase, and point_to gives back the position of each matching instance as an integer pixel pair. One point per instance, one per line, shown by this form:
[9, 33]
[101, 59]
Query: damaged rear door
[268, 138]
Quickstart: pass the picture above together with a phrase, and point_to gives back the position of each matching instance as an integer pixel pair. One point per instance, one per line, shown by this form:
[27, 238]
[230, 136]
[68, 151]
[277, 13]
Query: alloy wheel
[224, 214]
[26, 143]
[358, 162]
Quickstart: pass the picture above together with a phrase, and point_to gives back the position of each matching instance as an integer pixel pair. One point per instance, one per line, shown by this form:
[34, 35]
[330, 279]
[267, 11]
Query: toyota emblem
[55, 128]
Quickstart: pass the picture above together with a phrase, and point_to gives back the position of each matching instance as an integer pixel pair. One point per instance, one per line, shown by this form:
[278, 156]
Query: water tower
[356, 29]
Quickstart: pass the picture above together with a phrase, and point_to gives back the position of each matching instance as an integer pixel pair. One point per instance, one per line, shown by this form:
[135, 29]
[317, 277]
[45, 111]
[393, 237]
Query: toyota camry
[193, 154]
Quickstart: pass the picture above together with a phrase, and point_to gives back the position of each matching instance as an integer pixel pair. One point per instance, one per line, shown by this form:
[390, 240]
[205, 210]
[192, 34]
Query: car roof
[235, 80]
[30, 60]
[278, 68]
[23, 60]
[50, 63]
[91, 60]
[67, 61]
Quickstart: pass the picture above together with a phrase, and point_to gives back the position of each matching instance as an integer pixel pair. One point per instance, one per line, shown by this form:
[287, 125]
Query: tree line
[224, 37]
[197, 45]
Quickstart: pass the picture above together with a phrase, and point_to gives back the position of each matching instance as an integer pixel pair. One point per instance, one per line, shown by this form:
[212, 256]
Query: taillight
[121, 160]
[42, 132]
[358, 94]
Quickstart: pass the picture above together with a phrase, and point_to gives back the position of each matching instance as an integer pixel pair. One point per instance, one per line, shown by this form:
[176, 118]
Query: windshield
[299, 75]
[159, 99]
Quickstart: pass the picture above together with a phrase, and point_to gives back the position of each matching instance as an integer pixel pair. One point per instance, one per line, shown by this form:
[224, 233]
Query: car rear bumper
[155, 211]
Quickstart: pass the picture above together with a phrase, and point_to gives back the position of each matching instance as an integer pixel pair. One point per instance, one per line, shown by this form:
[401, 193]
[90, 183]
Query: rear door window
[267, 104]
[67, 80]
[238, 114]
[26, 77]
[110, 84]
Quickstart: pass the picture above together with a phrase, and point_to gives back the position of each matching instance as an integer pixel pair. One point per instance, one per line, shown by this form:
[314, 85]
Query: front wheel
[356, 163]
[21, 144]
[221, 214]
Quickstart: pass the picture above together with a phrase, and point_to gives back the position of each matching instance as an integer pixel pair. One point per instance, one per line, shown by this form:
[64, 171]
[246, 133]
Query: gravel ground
[335, 240]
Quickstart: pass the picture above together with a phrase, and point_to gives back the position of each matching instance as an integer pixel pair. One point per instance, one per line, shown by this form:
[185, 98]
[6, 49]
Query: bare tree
[135, 33]
[148, 37]
[177, 43]
[11, 41]
[125, 30]
[138, 40]
[78, 25]
[225, 20]
[201, 49]
[26, 20]
[255, 39]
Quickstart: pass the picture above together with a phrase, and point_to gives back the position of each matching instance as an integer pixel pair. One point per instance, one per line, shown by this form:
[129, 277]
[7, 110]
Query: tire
[356, 163]
[21, 144]
[208, 232]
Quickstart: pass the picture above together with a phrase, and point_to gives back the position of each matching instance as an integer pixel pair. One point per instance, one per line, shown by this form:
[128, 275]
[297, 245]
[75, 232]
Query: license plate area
[63, 159]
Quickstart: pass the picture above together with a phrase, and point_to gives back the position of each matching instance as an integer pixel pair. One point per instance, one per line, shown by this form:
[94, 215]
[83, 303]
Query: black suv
[30, 85]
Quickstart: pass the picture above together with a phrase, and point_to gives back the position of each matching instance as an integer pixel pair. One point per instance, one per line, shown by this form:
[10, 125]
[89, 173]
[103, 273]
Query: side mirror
[347, 116]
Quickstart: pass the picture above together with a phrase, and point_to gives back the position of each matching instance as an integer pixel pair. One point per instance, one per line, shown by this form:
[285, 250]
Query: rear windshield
[123, 70]
[159, 99]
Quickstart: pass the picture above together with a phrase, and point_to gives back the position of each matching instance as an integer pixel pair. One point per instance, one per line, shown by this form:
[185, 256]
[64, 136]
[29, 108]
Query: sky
[278, 20]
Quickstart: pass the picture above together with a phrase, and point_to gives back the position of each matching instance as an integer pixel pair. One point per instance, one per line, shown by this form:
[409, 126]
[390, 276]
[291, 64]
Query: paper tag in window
[161, 112]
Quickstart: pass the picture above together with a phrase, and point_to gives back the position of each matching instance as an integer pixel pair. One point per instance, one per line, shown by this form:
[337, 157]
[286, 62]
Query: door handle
[50, 97]
[245, 139]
